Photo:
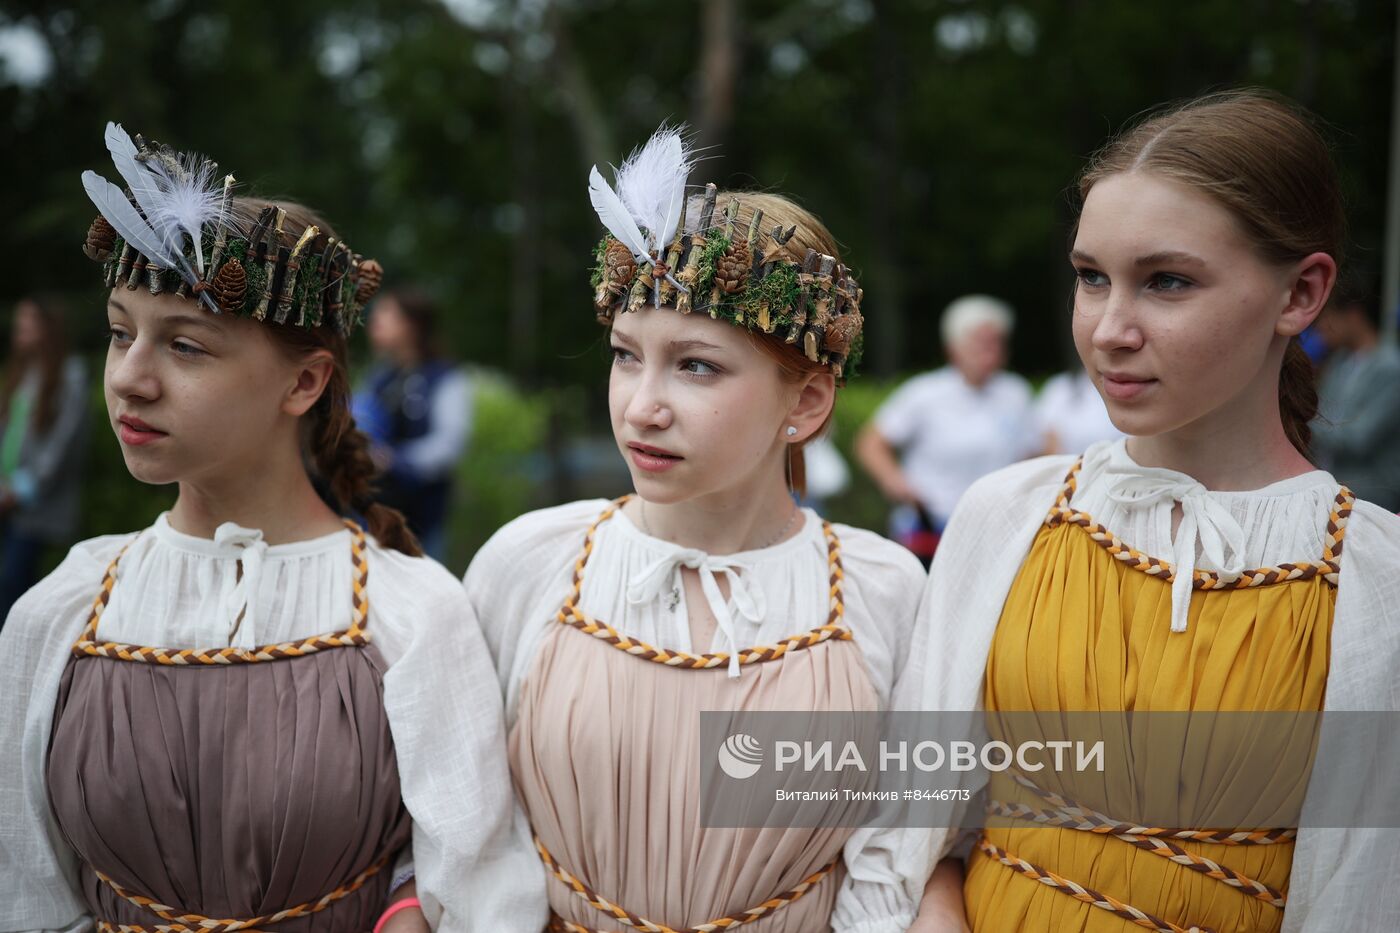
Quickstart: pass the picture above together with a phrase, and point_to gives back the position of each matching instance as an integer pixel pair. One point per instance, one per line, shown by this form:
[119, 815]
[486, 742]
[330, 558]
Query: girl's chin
[1144, 422]
[666, 486]
[152, 474]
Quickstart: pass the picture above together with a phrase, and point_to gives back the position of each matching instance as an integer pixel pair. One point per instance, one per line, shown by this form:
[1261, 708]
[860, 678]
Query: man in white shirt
[1072, 415]
[955, 424]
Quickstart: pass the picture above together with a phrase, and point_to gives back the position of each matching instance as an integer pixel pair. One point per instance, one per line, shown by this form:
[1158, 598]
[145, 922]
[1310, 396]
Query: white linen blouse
[1338, 875]
[179, 591]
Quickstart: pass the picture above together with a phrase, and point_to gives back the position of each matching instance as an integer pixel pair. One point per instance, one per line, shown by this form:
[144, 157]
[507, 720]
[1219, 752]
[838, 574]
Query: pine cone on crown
[732, 269]
[841, 332]
[620, 266]
[230, 285]
[101, 239]
[371, 273]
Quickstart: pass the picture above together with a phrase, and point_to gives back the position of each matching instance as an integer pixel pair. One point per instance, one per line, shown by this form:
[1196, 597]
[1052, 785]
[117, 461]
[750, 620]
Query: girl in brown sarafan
[237, 718]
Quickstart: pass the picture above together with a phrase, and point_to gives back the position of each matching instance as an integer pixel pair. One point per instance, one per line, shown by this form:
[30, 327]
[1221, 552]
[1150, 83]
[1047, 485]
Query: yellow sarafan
[1086, 628]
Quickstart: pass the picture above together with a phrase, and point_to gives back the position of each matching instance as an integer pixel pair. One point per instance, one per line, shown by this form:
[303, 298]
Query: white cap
[971, 311]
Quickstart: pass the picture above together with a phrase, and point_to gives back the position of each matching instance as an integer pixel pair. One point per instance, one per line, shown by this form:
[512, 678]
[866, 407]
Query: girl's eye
[699, 368]
[1166, 282]
[118, 336]
[1091, 278]
[186, 349]
[621, 356]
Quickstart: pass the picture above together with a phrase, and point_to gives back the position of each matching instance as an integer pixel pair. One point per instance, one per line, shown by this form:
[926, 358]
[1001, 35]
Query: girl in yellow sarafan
[1208, 239]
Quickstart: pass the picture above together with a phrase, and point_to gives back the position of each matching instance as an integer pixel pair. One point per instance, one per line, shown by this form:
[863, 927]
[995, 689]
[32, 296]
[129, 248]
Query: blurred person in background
[1357, 436]
[827, 473]
[953, 425]
[1071, 414]
[416, 407]
[43, 405]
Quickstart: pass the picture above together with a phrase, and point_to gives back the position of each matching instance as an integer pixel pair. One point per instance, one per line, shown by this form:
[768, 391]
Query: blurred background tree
[451, 140]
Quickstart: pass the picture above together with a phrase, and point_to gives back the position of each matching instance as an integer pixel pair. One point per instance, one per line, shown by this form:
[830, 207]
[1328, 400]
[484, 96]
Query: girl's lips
[652, 459]
[136, 433]
[1123, 388]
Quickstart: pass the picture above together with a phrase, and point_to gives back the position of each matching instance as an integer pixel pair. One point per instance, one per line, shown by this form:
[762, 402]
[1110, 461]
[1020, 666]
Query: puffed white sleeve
[1344, 878]
[978, 557]
[38, 871]
[518, 580]
[889, 582]
[445, 714]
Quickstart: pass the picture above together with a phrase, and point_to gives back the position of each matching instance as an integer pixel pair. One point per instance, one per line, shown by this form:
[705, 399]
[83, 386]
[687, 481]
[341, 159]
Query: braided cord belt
[194, 923]
[834, 629]
[1327, 568]
[626, 917]
[354, 636]
[1087, 895]
[1067, 814]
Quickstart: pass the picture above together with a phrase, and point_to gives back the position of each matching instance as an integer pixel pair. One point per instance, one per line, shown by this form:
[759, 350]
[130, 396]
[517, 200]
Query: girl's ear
[311, 381]
[812, 407]
[1312, 283]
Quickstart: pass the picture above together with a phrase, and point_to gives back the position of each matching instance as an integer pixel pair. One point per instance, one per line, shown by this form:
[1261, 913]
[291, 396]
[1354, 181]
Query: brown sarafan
[209, 791]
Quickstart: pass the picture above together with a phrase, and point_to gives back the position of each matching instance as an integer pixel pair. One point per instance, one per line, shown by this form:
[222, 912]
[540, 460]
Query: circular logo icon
[740, 756]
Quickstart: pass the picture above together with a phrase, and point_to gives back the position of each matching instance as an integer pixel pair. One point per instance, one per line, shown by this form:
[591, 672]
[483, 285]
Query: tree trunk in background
[591, 124]
[885, 283]
[718, 73]
[524, 271]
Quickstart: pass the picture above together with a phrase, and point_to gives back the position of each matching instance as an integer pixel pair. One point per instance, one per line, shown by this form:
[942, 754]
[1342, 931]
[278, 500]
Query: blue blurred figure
[416, 408]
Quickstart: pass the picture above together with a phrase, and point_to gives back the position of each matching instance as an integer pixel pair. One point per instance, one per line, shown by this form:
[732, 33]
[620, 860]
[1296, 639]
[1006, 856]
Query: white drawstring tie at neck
[664, 574]
[1205, 523]
[242, 598]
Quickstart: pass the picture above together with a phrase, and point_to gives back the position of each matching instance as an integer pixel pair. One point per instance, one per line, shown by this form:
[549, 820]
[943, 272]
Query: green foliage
[778, 292]
[937, 141]
[715, 247]
[494, 484]
[595, 277]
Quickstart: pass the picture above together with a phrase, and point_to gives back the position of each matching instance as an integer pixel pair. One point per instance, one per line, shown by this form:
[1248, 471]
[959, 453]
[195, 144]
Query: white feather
[112, 203]
[176, 203]
[187, 201]
[651, 183]
[124, 153]
[614, 215]
[138, 177]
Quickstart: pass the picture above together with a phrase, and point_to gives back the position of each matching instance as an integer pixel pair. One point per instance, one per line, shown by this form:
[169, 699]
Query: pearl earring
[791, 431]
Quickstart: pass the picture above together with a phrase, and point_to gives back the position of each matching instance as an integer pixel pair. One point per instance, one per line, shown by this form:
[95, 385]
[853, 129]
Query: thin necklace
[642, 514]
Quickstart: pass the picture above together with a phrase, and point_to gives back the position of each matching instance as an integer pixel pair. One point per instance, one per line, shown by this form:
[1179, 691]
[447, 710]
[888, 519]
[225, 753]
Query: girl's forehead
[1137, 211]
[668, 324]
[169, 310]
